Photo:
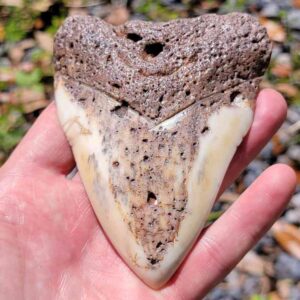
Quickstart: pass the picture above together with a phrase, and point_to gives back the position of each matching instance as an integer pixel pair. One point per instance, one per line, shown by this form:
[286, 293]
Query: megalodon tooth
[154, 113]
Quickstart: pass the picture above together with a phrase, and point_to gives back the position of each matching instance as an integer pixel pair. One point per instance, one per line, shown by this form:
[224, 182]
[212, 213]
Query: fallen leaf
[18, 3]
[282, 70]
[33, 106]
[274, 296]
[208, 5]
[41, 5]
[278, 146]
[5, 97]
[44, 40]
[27, 43]
[298, 176]
[16, 54]
[30, 98]
[2, 33]
[252, 264]
[26, 66]
[229, 197]
[283, 288]
[275, 31]
[38, 23]
[288, 237]
[118, 15]
[287, 89]
[296, 3]
[75, 11]
[7, 74]
[26, 95]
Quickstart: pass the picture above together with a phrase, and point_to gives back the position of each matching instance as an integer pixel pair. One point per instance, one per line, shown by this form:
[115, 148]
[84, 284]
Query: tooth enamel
[216, 148]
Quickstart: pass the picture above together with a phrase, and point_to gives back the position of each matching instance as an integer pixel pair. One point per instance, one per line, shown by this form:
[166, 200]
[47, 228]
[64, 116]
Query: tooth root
[152, 185]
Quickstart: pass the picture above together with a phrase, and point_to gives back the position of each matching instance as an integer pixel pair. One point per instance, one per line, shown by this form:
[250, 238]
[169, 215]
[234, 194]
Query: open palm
[52, 246]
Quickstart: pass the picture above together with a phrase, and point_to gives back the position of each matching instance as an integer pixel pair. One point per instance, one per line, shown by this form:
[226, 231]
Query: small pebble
[295, 201]
[293, 19]
[294, 153]
[293, 216]
[255, 168]
[287, 266]
[271, 10]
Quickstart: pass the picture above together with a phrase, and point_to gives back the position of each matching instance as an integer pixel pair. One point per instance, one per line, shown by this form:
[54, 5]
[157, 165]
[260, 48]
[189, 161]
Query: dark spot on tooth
[205, 129]
[134, 37]
[115, 163]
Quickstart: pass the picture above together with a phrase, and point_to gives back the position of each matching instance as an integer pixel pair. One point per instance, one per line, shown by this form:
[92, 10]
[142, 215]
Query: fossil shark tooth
[154, 113]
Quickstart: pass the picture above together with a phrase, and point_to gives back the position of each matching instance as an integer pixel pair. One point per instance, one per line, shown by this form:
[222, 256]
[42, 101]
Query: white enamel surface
[217, 147]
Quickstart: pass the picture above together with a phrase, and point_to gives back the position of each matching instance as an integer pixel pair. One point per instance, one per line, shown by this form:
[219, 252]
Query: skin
[52, 246]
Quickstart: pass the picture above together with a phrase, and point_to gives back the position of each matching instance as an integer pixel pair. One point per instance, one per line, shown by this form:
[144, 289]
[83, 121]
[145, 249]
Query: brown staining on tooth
[161, 68]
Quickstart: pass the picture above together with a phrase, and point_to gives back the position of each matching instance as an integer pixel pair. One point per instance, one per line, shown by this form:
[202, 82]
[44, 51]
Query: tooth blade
[122, 194]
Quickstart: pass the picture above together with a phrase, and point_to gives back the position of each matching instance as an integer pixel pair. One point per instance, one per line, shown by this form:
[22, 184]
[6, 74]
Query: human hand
[52, 247]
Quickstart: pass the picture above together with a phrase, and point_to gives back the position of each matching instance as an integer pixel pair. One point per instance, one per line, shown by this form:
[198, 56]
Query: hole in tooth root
[134, 37]
[153, 261]
[234, 95]
[154, 49]
[151, 198]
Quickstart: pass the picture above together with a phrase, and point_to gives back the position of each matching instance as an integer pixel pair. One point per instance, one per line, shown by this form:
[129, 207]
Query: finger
[224, 243]
[270, 112]
[45, 146]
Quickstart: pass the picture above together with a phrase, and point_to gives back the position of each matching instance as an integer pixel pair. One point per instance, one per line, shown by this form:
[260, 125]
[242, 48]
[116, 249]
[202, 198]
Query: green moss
[12, 129]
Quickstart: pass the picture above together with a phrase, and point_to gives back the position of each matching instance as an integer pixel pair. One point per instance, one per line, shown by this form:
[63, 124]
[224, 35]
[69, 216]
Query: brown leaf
[118, 15]
[274, 296]
[275, 31]
[16, 54]
[44, 40]
[287, 89]
[283, 288]
[26, 95]
[41, 5]
[18, 3]
[5, 97]
[229, 197]
[7, 75]
[296, 3]
[278, 147]
[288, 237]
[252, 264]
[282, 70]
[33, 106]
[2, 33]
[30, 99]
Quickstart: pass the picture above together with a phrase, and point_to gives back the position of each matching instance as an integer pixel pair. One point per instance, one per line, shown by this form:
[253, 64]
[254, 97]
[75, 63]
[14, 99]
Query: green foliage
[213, 216]
[3, 86]
[155, 10]
[296, 60]
[24, 79]
[18, 23]
[258, 297]
[12, 129]
[55, 24]
[234, 5]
